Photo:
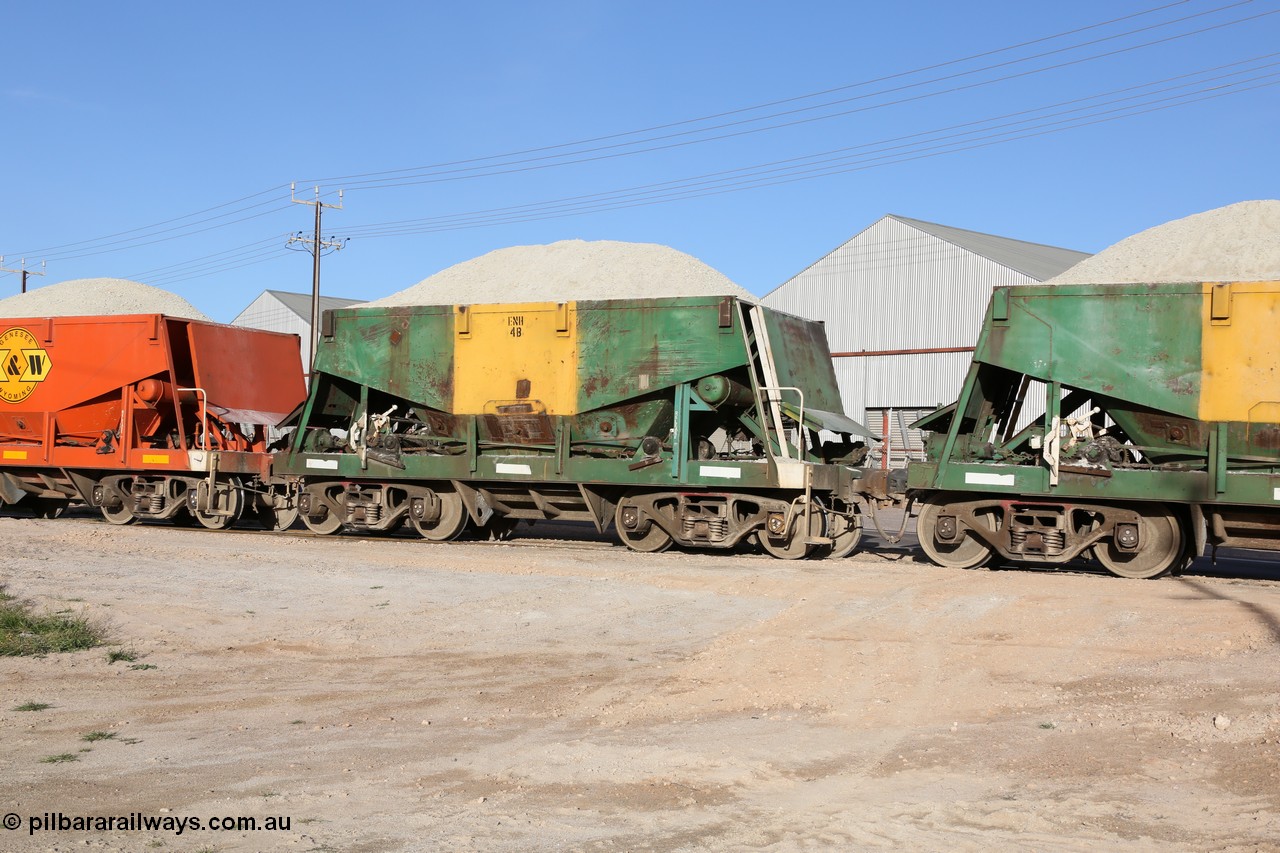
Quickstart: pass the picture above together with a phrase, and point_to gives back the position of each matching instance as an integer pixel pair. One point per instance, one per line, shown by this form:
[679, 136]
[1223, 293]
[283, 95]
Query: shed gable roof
[1031, 259]
[300, 303]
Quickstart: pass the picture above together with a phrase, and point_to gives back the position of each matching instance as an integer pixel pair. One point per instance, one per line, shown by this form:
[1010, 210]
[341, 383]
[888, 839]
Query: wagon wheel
[637, 531]
[1162, 547]
[965, 552]
[281, 516]
[793, 544]
[276, 510]
[845, 532]
[451, 522]
[324, 525]
[120, 515]
[234, 506]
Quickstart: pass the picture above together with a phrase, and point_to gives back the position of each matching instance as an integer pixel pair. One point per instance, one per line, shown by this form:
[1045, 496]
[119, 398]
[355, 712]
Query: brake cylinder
[717, 391]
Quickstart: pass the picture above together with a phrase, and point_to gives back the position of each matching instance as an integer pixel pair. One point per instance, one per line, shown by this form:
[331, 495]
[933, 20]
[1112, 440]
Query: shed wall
[900, 381]
[268, 312]
[896, 287]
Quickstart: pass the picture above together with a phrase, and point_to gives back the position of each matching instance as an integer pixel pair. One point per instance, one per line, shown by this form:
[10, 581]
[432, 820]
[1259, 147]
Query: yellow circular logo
[24, 364]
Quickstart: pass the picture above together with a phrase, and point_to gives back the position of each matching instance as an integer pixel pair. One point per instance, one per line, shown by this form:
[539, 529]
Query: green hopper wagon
[700, 421]
[1134, 424]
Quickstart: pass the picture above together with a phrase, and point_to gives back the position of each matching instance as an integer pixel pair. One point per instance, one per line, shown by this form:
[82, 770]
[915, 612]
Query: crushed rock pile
[1239, 242]
[570, 270]
[97, 296]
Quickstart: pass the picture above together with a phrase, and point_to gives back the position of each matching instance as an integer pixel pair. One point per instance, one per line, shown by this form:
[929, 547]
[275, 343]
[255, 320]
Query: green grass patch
[92, 736]
[60, 758]
[143, 666]
[126, 655]
[33, 706]
[24, 632]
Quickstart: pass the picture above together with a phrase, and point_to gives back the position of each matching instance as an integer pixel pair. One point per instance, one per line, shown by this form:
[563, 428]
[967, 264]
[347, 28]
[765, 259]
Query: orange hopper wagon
[145, 416]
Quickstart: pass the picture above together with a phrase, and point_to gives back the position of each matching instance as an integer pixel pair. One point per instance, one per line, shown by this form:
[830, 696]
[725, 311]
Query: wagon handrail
[777, 402]
[204, 416]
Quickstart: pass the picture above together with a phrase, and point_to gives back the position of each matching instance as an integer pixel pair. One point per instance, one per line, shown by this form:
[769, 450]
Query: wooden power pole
[316, 246]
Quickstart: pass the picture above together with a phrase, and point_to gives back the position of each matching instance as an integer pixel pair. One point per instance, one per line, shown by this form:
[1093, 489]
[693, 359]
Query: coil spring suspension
[368, 513]
[709, 528]
[1051, 543]
[156, 504]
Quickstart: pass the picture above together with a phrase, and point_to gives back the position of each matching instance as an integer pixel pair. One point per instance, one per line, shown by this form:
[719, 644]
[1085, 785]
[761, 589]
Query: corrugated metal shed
[903, 285]
[282, 311]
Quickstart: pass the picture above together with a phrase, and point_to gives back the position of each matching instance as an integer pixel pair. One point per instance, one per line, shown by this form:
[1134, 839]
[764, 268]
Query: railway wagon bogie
[1134, 425]
[1133, 540]
[704, 422]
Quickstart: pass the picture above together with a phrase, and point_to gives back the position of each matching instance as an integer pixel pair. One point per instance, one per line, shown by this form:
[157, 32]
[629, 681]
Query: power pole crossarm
[22, 268]
[316, 246]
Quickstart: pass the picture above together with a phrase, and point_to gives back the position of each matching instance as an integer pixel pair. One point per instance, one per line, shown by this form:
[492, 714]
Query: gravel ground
[393, 695]
[569, 270]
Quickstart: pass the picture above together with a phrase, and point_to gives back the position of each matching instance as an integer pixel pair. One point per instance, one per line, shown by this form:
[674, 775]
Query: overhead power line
[653, 143]
[1188, 88]
[1041, 119]
[676, 192]
[182, 264]
[770, 104]
[151, 230]
[230, 213]
[186, 272]
[680, 193]
[278, 253]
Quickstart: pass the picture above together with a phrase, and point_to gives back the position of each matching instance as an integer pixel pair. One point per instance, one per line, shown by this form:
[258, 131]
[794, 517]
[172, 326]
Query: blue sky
[157, 141]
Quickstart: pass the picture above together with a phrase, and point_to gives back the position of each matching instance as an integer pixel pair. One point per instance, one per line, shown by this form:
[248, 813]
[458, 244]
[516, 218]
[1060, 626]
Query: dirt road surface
[395, 695]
